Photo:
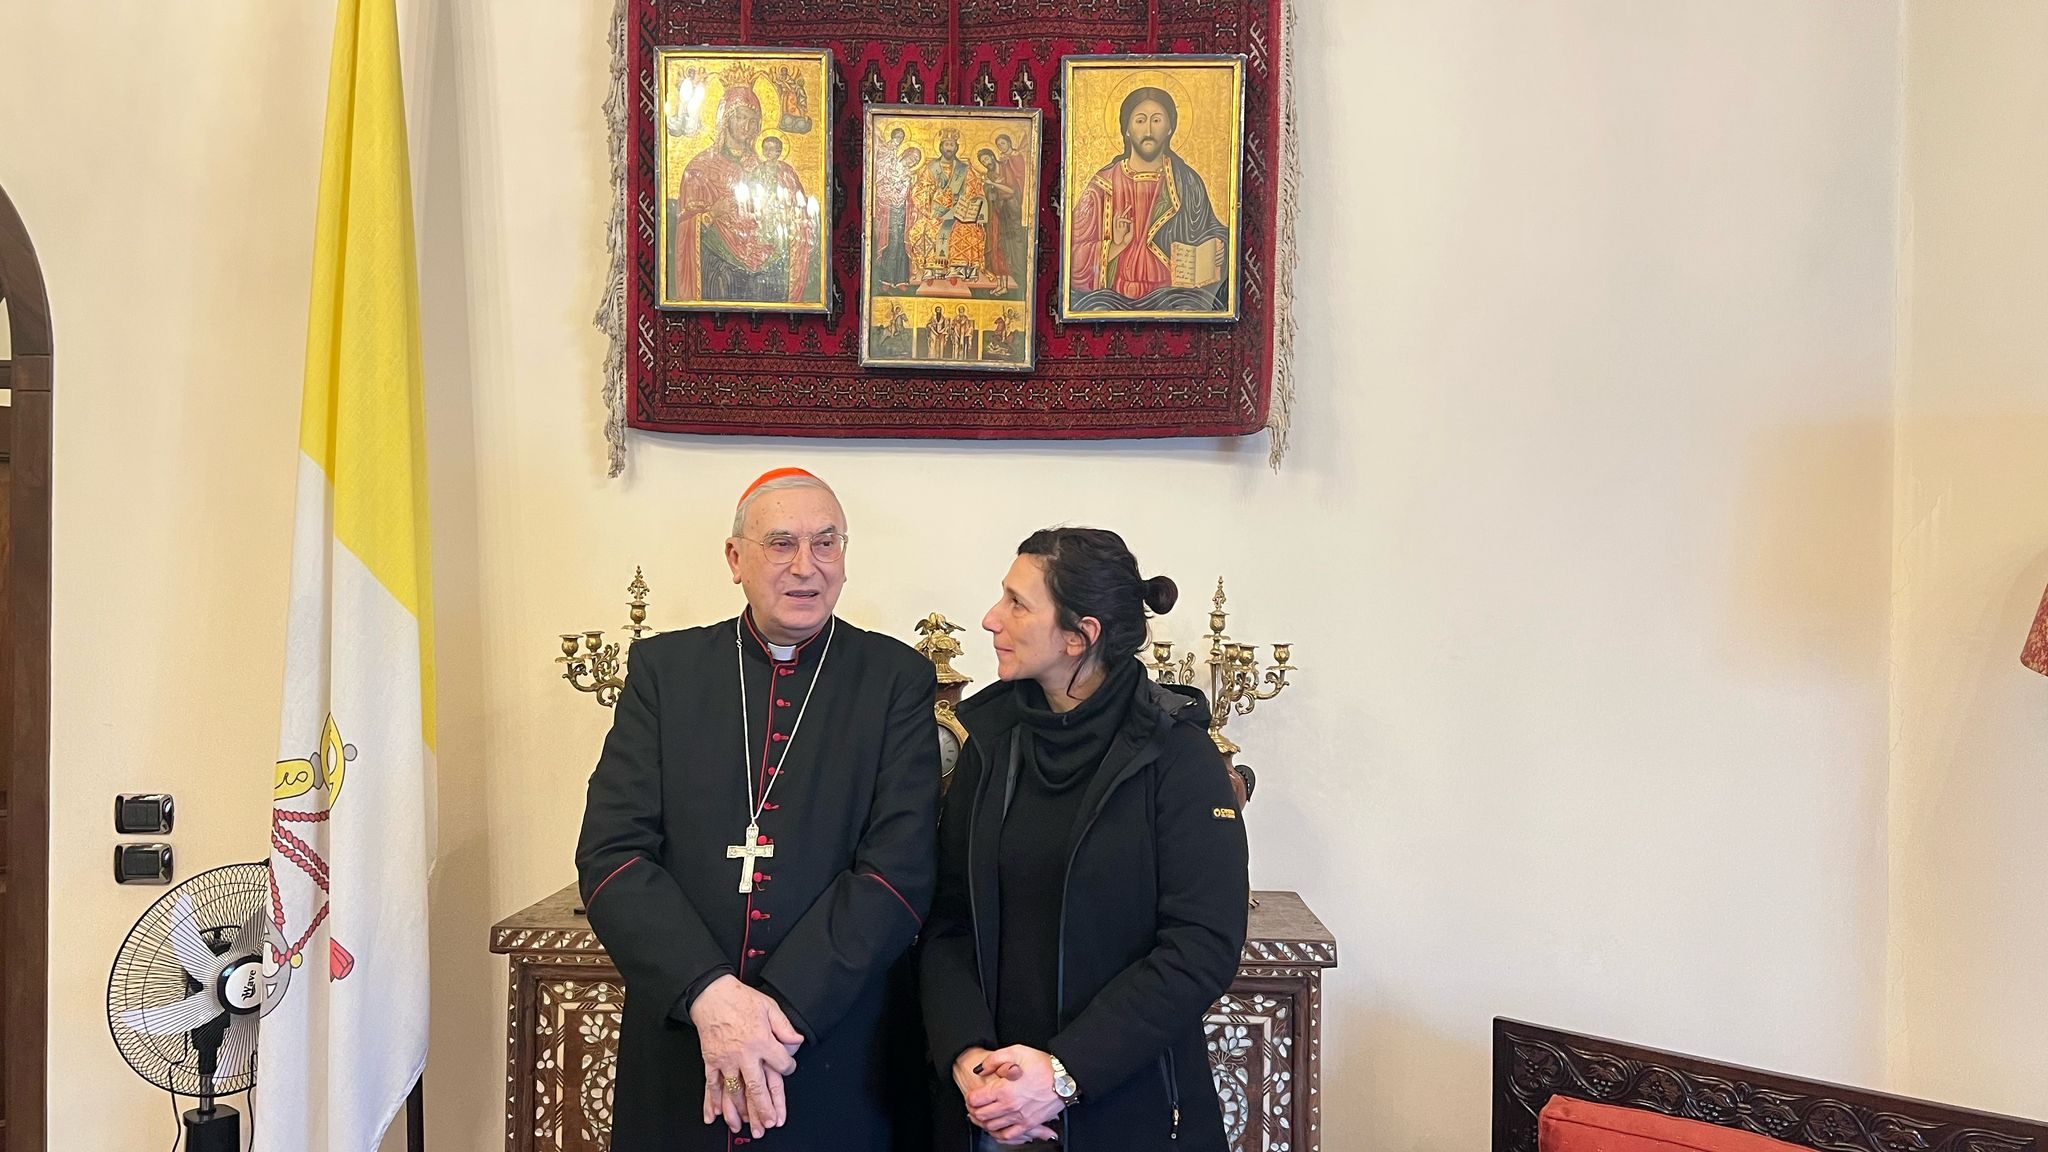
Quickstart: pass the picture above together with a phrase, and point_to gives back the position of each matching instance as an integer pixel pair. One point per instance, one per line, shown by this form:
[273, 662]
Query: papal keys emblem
[305, 793]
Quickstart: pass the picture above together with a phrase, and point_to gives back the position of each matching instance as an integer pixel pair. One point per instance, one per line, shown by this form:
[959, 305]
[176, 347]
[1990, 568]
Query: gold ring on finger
[733, 1084]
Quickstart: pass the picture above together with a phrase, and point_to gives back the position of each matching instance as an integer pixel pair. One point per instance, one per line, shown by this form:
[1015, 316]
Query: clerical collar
[779, 653]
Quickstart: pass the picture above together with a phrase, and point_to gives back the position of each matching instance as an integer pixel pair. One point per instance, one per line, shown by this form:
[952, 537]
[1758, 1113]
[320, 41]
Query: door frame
[25, 1005]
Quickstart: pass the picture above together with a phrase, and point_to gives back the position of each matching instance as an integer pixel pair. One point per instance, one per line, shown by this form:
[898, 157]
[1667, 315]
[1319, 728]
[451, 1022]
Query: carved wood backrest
[1532, 1063]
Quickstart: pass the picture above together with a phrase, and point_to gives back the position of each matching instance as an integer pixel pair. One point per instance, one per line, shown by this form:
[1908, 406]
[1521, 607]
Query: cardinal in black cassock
[758, 853]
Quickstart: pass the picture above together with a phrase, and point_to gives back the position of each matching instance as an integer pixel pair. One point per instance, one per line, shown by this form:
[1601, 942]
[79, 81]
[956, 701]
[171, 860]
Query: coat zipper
[973, 901]
[1172, 1069]
[1145, 758]
[974, 910]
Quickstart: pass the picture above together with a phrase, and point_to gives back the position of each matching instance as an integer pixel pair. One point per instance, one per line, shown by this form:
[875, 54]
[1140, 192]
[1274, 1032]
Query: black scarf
[1064, 748]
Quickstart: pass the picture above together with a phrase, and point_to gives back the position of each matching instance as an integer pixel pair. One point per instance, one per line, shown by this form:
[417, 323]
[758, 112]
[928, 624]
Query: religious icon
[1151, 149]
[745, 173]
[949, 240]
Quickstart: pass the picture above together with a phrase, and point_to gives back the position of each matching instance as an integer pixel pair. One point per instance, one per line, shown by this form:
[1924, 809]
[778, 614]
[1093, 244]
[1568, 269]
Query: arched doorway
[25, 684]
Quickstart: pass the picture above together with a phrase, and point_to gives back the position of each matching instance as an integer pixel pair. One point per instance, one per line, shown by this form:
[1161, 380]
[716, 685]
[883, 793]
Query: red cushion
[1568, 1125]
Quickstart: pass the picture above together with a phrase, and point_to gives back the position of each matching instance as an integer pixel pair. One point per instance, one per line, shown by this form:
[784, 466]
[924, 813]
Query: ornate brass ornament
[600, 668]
[1235, 682]
[939, 647]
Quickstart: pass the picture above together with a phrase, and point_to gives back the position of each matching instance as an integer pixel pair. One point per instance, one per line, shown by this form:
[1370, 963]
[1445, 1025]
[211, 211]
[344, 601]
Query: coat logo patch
[1223, 813]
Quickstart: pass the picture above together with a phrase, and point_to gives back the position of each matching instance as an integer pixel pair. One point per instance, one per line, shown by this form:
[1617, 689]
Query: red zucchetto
[771, 474]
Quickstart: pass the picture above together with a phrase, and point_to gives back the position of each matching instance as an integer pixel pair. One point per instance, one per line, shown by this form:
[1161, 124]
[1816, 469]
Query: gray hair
[779, 484]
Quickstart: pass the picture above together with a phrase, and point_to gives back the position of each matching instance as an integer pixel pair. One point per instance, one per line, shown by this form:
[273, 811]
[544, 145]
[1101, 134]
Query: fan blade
[186, 944]
[236, 1049]
[249, 941]
[171, 1019]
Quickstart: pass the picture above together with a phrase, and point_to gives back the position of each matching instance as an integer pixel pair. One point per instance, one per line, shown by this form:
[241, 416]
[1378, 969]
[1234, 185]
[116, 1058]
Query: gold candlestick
[1235, 683]
[591, 665]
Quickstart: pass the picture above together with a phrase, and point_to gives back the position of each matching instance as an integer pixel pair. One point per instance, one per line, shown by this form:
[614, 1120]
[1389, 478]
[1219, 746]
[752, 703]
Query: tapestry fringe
[1281, 412]
[611, 311]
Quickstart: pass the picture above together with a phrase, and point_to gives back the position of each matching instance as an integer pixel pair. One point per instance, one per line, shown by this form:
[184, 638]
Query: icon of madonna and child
[743, 227]
[949, 251]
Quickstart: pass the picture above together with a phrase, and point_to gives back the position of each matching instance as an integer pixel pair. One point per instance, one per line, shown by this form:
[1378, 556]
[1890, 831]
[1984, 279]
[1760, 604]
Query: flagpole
[416, 1117]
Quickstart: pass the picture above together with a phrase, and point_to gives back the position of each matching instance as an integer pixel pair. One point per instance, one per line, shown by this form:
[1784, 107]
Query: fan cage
[146, 974]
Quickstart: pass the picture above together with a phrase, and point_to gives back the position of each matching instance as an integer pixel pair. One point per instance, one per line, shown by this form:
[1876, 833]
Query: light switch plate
[142, 863]
[143, 813]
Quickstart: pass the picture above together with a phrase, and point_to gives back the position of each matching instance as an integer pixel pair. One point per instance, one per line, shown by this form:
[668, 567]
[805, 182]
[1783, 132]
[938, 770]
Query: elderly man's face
[1148, 130]
[790, 601]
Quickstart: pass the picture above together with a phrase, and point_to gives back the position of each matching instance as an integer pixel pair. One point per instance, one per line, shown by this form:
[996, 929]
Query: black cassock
[852, 818]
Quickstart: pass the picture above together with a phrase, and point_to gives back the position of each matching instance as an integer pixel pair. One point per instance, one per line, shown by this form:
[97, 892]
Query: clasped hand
[745, 1036]
[1009, 1092]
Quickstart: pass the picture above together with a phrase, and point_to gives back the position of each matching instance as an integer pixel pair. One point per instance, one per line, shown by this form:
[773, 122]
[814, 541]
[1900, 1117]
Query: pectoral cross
[745, 854]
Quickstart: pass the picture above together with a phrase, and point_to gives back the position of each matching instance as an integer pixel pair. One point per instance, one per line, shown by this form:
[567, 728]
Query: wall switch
[142, 863]
[142, 813]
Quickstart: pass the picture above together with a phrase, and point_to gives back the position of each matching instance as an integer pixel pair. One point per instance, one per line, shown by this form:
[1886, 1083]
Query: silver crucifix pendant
[745, 854]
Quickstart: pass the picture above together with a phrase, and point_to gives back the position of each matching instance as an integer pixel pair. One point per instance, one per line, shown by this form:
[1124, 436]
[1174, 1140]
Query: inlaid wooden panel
[565, 999]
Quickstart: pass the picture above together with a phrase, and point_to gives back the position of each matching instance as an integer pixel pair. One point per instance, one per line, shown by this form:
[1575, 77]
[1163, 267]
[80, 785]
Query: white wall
[1585, 539]
[1970, 724]
[1584, 544]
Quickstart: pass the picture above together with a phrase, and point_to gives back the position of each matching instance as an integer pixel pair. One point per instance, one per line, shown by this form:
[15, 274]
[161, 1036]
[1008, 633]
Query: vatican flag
[344, 1030]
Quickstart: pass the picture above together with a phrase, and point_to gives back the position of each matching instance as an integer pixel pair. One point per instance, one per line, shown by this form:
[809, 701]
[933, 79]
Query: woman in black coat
[1092, 879]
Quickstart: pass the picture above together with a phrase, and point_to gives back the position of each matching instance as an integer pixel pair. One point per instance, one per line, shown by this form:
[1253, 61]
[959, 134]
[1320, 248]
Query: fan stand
[211, 1127]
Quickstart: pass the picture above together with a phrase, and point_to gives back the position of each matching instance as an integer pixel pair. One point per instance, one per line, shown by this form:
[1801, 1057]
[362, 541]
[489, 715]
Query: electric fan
[187, 987]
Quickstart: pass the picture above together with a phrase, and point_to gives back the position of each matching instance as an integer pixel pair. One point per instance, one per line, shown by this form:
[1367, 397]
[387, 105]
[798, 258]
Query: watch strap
[1060, 1073]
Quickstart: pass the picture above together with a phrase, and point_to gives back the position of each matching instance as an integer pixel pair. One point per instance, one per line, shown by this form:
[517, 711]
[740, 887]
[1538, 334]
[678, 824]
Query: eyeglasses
[826, 547]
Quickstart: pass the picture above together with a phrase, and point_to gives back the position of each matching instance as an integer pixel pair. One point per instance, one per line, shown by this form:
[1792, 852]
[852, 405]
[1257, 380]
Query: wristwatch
[1063, 1084]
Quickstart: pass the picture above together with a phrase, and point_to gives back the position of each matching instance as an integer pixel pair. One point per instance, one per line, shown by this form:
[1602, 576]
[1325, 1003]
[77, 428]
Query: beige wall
[164, 160]
[1585, 543]
[1970, 734]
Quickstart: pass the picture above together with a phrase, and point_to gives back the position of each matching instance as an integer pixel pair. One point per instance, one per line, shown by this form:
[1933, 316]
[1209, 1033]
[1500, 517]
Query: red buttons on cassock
[777, 737]
[782, 703]
[768, 807]
[757, 951]
[758, 914]
[762, 877]
[766, 840]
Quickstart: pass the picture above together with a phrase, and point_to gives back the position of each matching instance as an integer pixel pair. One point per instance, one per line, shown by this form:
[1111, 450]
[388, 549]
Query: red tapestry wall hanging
[801, 375]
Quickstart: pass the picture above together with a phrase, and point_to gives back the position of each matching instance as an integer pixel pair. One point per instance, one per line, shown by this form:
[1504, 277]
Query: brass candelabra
[1234, 680]
[590, 664]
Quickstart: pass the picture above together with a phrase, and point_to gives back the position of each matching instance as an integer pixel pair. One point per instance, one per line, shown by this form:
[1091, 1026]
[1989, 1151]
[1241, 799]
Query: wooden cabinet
[562, 1029]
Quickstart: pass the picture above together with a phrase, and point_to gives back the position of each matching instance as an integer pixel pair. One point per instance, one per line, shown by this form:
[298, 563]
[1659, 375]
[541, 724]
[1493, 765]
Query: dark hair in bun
[1161, 594]
[1090, 572]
